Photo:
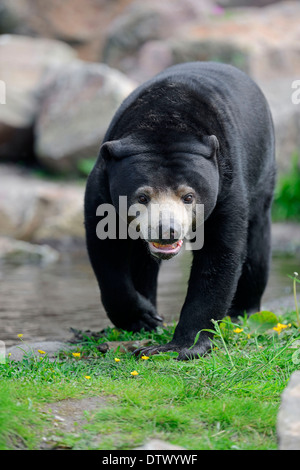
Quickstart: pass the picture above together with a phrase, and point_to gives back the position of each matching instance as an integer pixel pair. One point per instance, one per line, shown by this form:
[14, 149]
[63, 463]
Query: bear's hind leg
[255, 271]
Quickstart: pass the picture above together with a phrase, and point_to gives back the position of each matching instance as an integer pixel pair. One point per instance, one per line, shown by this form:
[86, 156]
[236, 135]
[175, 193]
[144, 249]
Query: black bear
[197, 134]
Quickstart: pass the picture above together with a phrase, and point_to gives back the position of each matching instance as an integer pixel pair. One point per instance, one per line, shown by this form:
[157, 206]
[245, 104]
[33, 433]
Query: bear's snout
[169, 233]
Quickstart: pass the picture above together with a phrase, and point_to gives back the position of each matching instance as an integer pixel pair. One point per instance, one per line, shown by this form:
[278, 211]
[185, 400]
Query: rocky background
[66, 66]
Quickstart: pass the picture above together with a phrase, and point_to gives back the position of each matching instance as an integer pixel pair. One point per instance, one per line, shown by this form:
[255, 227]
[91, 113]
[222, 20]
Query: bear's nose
[169, 233]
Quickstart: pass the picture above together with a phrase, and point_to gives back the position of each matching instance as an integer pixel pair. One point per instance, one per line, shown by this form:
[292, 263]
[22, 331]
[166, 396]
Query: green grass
[227, 399]
[85, 166]
[286, 205]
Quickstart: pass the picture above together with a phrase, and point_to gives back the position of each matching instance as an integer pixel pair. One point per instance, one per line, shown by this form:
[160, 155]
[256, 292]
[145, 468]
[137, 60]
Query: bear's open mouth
[170, 249]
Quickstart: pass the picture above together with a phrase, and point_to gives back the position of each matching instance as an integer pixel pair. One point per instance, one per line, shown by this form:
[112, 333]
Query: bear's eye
[143, 199]
[188, 198]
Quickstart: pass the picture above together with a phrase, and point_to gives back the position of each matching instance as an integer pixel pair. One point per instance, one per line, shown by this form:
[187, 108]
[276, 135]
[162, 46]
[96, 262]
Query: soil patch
[68, 417]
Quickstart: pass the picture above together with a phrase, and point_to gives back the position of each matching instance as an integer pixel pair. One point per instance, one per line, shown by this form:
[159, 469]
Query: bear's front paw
[143, 315]
[184, 352]
[134, 314]
[147, 321]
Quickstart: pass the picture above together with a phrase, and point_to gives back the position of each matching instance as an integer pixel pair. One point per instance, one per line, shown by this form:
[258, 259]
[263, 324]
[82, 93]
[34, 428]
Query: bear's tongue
[163, 248]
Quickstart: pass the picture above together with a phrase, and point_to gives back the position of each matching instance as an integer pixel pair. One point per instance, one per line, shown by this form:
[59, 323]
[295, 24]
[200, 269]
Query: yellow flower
[117, 359]
[20, 335]
[76, 354]
[134, 372]
[238, 330]
[280, 326]
[9, 354]
[87, 377]
[41, 352]
[145, 358]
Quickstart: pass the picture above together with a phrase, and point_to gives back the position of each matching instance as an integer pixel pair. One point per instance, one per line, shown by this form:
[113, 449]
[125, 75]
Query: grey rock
[288, 420]
[80, 24]
[152, 58]
[185, 49]
[252, 42]
[51, 348]
[20, 252]
[142, 22]
[38, 210]
[246, 3]
[254, 36]
[77, 107]
[139, 24]
[8, 20]
[24, 63]
[250, 38]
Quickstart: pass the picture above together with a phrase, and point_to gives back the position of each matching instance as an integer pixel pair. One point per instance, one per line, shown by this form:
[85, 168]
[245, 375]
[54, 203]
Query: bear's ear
[212, 144]
[111, 150]
[122, 148]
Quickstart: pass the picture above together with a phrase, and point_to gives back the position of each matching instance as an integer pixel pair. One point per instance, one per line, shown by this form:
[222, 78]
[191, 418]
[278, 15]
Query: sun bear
[198, 134]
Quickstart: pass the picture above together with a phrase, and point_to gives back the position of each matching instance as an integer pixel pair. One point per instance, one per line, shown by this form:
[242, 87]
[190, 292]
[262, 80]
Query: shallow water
[43, 302]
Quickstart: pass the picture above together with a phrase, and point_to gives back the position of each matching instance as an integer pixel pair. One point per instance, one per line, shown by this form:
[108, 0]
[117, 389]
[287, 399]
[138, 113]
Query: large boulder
[80, 24]
[264, 42]
[24, 63]
[142, 22]
[37, 210]
[77, 106]
[18, 252]
[245, 3]
[288, 420]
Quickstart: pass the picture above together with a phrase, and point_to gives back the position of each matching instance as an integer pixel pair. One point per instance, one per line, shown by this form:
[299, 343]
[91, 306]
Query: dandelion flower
[238, 330]
[20, 335]
[76, 354]
[134, 372]
[41, 352]
[87, 377]
[117, 359]
[145, 358]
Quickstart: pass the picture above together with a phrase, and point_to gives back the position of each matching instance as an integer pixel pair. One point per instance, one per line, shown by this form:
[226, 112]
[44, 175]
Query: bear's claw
[184, 353]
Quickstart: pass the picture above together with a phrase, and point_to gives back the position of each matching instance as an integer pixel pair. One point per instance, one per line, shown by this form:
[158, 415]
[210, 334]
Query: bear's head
[171, 186]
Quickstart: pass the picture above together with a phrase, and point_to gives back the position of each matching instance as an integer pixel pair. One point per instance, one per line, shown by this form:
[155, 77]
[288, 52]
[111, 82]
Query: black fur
[162, 132]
